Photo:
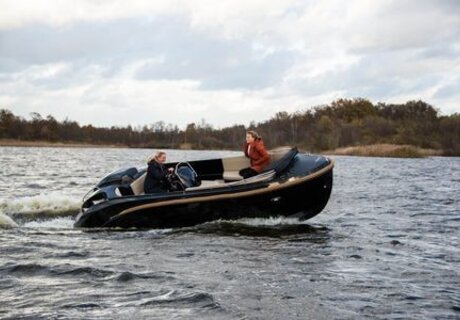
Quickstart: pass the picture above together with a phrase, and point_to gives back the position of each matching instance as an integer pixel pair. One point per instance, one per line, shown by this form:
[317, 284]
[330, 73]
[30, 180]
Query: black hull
[302, 199]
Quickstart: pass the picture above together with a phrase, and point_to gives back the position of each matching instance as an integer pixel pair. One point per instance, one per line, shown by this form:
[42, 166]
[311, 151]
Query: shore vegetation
[345, 126]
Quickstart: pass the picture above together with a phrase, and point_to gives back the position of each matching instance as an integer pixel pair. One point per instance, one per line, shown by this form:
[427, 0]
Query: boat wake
[51, 210]
[6, 222]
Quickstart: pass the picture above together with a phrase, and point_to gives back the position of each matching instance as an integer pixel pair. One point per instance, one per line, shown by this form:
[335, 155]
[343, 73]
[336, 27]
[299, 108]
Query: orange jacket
[256, 152]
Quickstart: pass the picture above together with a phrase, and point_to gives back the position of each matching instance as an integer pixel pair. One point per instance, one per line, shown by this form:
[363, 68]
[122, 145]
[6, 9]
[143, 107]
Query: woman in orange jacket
[255, 150]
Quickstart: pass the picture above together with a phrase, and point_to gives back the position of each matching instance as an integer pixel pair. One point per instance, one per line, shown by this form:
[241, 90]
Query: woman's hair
[254, 134]
[157, 155]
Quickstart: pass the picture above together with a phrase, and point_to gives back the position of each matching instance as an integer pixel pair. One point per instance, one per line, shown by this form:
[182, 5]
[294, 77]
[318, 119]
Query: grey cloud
[449, 6]
[251, 74]
[216, 63]
[104, 49]
[215, 73]
[112, 43]
[376, 76]
[441, 50]
[449, 91]
[407, 25]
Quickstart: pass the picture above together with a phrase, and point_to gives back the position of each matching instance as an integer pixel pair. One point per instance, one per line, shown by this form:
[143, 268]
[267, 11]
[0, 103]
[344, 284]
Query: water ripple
[385, 247]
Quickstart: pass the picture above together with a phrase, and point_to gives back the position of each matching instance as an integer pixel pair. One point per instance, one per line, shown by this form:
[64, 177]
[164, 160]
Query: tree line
[342, 123]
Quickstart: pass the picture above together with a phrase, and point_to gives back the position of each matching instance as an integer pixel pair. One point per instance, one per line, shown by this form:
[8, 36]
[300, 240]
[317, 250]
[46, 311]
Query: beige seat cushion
[215, 184]
[232, 167]
[208, 184]
[232, 176]
[138, 185]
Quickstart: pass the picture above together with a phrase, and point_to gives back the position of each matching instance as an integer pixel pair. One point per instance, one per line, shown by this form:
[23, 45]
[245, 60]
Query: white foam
[6, 222]
[269, 221]
[160, 232]
[51, 203]
[56, 223]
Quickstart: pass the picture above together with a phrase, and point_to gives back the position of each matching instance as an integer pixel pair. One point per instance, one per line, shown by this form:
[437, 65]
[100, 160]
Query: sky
[137, 62]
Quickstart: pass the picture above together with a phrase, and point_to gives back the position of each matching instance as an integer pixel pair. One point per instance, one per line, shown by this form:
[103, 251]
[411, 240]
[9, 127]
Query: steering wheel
[175, 184]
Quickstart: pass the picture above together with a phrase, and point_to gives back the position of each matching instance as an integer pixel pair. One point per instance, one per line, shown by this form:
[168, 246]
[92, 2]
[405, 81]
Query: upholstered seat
[232, 166]
[138, 185]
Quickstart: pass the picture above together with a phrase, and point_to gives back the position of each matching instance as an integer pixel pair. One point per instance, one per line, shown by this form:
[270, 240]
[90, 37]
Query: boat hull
[303, 198]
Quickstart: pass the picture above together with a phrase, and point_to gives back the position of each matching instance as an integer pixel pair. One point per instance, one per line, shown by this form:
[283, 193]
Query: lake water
[387, 246]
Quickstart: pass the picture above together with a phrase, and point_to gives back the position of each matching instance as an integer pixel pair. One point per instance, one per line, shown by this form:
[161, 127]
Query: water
[386, 247]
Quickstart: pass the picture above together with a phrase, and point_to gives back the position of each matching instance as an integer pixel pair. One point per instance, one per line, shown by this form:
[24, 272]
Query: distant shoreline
[375, 150]
[385, 150]
[48, 144]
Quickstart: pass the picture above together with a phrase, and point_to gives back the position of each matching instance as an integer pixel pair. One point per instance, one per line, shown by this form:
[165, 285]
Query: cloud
[91, 98]
[106, 62]
[16, 14]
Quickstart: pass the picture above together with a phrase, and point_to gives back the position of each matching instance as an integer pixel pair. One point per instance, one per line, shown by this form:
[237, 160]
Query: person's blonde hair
[254, 134]
[155, 156]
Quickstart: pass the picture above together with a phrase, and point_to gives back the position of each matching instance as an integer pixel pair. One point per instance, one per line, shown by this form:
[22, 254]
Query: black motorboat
[293, 185]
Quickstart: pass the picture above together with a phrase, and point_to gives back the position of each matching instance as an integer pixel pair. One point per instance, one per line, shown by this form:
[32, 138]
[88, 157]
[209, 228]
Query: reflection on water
[272, 228]
[386, 246]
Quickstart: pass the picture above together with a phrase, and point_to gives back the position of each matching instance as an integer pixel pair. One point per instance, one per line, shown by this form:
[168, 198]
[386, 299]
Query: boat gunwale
[271, 186]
